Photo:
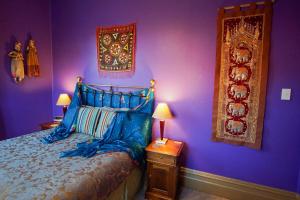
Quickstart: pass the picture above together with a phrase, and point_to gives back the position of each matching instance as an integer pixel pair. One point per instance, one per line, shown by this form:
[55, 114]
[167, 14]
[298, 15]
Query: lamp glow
[63, 100]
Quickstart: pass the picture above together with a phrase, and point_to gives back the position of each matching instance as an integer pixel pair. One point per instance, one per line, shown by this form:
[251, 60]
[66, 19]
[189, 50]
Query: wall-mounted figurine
[17, 64]
[33, 68]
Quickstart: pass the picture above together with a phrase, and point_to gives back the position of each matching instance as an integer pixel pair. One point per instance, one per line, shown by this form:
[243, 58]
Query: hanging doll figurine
[33, 68]
[17, 64]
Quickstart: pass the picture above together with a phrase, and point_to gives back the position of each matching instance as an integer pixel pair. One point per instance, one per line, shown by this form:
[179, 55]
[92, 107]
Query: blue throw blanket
[130, 131]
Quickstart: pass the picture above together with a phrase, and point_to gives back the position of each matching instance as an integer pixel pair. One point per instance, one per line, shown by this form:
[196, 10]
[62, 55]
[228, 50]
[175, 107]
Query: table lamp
[63, 100]
[162, 112]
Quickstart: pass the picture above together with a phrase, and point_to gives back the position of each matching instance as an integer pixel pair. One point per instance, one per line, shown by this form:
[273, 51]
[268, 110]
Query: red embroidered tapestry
[241, 73]
[116, 48]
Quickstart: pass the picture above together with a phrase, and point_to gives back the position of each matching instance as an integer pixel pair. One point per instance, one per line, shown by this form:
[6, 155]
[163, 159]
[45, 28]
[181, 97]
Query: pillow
[87, 119]
[107, 116]
[139, 126]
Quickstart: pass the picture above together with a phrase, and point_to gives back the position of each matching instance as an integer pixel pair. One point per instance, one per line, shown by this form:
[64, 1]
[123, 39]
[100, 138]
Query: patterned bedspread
[32, 170]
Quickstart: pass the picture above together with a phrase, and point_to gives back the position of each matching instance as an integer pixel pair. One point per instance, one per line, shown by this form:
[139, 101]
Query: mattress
[30, 169]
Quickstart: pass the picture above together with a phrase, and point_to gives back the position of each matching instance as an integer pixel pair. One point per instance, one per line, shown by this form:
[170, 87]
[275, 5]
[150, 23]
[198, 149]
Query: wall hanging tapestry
[243, 42]
[116, 48]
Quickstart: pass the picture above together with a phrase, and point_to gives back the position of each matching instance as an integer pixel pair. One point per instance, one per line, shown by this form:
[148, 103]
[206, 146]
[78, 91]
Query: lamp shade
[162, 112]
[63, 100]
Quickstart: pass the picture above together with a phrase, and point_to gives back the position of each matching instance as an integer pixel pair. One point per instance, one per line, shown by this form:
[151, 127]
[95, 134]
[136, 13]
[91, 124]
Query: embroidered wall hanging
[243, 42]
[116, 48]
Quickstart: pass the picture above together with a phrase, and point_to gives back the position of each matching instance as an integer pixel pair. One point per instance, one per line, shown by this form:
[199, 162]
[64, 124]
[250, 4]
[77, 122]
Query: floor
[187, 194]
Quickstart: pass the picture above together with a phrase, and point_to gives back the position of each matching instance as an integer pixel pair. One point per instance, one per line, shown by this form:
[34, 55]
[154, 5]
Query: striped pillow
[87, 119]
[107, 116]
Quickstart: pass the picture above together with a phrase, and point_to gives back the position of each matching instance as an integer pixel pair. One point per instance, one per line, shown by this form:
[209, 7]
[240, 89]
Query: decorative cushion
[87, 119]
[107, 116]
[138, 125]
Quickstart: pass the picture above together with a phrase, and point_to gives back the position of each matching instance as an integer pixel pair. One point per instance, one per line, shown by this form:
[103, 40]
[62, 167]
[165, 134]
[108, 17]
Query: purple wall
[24, 106]
[176, 45]
[298, 189]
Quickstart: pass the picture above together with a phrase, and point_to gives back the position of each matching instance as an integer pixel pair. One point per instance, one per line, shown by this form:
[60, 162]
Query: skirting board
[232, 189]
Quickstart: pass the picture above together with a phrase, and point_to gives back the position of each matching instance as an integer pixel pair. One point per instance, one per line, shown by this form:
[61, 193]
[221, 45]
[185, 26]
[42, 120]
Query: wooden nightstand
[163, 162]
[49, 125]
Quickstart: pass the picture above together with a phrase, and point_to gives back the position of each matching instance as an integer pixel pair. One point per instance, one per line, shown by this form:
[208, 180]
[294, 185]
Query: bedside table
[49, 125]
[163, 162]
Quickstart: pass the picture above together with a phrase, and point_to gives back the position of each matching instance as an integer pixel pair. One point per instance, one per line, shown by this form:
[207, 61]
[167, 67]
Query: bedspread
[32, 170]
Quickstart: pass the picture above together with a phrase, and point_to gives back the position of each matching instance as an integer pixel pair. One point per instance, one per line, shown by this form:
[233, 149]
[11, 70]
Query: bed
[30, 169]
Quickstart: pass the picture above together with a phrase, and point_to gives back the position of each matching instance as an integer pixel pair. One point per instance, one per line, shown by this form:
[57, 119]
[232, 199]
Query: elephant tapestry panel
[241, 74]
[116, 48]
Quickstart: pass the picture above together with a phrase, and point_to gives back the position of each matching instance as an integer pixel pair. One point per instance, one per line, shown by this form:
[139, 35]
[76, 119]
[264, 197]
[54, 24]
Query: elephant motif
[238, 91]
[236, 109]
[239, 73]
[241, 55]
[235, 127]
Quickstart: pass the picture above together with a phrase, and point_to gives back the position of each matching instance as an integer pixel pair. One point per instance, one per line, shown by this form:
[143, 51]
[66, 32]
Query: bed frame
[129, 187]
[112, 87]
[135, 181]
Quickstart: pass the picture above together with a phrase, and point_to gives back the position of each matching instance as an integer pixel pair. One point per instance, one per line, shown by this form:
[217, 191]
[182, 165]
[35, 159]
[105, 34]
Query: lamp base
[65, 108]
[159, 141]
